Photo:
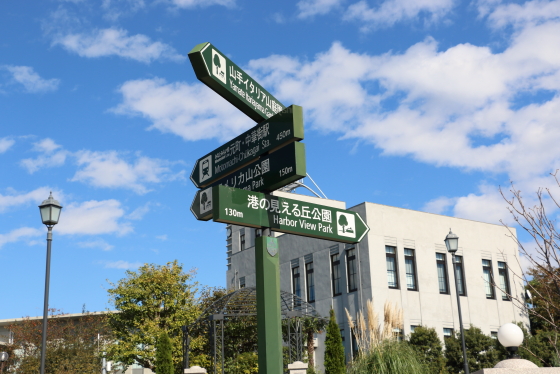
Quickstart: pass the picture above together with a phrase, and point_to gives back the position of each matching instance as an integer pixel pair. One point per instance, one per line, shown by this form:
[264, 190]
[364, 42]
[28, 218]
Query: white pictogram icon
[219, 66]
[345, 224]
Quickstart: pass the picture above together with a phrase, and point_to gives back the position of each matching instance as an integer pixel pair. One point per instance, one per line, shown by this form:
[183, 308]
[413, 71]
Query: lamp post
[511, 337]
[452, 244]
[3, 358]
[50, 212]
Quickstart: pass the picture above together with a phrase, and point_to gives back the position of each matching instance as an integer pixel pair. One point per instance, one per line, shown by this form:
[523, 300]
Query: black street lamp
[452, 244]
[50, 212]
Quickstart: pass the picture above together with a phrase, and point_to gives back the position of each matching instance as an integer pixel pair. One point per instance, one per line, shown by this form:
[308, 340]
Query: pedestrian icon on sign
[205, 168]
[219, 66]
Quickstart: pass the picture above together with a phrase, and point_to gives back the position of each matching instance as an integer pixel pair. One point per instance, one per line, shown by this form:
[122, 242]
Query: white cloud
[519, 15]
[19, 234]
[93, 218]
[107, 42]
[36, 196]
[393, 11]
[201, 3]
[5, 144]
[193, 112]
[123, 265]
[31, 81]
[49, 156]
[439, 205]
[162, 237]
[110, 170]
[308, 8]
[100, 243]
[139, 212]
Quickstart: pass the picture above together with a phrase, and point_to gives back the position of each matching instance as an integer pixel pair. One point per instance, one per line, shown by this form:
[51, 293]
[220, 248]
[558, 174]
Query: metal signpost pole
[269, 330]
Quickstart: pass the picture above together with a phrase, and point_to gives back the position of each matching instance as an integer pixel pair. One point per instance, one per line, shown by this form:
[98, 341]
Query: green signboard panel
[253, 209]
[281, 129]
[270, 172]
[218, 72]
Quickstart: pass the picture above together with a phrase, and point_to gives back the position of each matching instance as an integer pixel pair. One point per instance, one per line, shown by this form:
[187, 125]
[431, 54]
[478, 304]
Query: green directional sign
[218, 72]
[253, 209]
[281, 129]
[270, 172]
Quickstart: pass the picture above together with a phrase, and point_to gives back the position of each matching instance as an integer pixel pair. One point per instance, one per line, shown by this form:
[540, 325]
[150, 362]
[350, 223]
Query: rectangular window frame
[488, 279]
[447, 332]
[460, 269]
[242, 242]
[335, 275]
[443, 264]
[296, 281]
[414, 275]
[503, 272]
[310, 282]
[352, 269]
[395, 275]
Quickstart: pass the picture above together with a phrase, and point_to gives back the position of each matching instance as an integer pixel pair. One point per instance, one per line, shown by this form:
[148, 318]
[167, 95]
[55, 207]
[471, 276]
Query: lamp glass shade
[452, 242]
[50, 211]
[510, 335]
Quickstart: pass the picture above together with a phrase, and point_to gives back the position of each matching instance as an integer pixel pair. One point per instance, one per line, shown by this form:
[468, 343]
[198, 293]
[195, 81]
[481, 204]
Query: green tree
[426, 343]
[334, 350]
[151, 300]
[311, 326]
[342, 221]
[164, 358]
[481, 351]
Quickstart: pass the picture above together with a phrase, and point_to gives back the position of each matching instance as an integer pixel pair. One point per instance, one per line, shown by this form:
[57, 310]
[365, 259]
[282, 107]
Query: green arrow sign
[253, 209]
[219, 73]
[270, 172]
[281, 129]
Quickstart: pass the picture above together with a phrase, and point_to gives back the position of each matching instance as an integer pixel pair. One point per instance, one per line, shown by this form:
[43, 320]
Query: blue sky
[423, 104]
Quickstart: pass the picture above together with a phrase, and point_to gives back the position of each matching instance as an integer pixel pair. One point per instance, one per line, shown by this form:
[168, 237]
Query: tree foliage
[428, 348]
[149, 301]
[334, 350]
[73, 344]
[164, 358]
[481, 351]
[542, 278]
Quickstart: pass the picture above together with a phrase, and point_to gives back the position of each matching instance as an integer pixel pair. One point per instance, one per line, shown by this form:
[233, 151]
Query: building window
[460, 275]
[412, 328]
[447, 332]
[397, 333]
[442, 273]
[242, 242]
[354, 345]
[296, 282]
[342, 334]
[242, 282]
[494, 334]
[487, 275]
[504, 280]
[310, 282]
[410, 267]
[335, 265]
[392, 274]
[352, 270]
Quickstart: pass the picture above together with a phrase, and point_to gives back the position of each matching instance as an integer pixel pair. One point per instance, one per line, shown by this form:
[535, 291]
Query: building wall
[403, 228]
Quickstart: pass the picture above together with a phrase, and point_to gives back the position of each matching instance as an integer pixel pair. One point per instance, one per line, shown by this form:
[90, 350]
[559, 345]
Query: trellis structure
[243, 303]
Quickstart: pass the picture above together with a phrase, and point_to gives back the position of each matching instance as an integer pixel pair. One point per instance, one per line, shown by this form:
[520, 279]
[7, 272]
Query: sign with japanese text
[270, 172]
[219, 73]
[281, 129]
[253, 209]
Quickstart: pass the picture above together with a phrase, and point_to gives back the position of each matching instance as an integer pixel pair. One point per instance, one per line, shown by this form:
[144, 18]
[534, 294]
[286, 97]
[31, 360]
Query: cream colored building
[403, 259]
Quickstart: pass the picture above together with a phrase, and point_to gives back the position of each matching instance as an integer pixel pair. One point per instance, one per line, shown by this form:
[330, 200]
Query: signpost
[253, 209]
[235, 177]
[219, 73]
[268, 136]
